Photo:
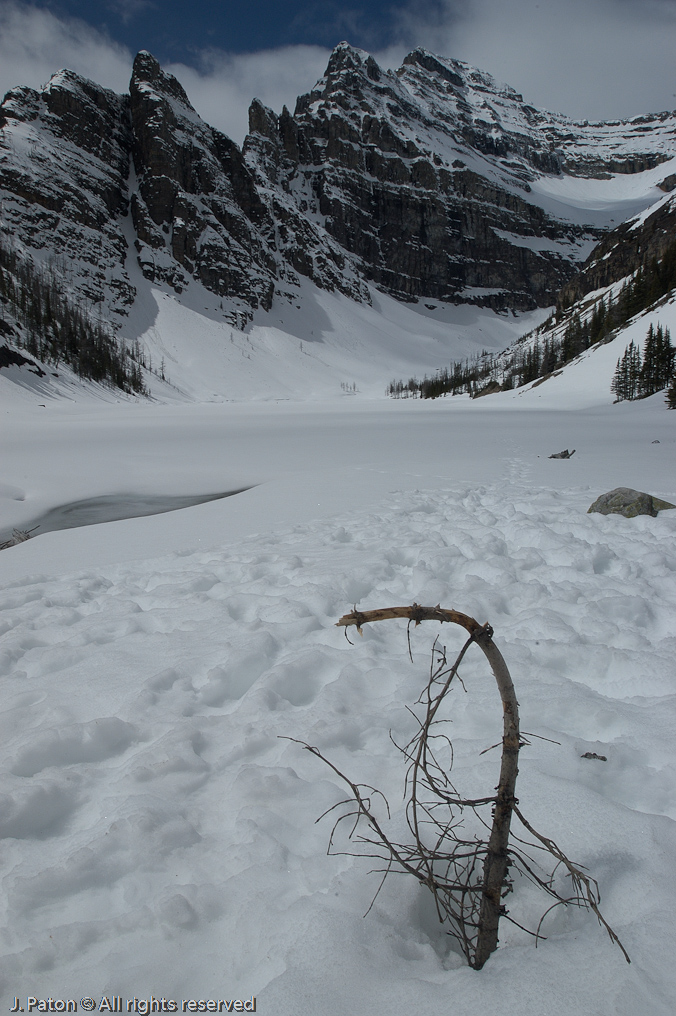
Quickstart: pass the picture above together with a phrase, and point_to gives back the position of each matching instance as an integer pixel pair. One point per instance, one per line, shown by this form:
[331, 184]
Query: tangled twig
[464, 859]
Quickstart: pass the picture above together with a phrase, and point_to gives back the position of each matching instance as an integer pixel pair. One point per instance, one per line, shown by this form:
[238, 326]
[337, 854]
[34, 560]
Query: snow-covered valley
[158, 838]
[157, 831]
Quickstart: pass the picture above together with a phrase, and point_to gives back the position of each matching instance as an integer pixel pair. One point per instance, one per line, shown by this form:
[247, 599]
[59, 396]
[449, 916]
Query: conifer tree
[658, 361]
[671, 394]
[625, 383]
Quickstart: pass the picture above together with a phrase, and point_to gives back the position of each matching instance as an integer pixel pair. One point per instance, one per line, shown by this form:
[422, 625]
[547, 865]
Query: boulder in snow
[628, 502]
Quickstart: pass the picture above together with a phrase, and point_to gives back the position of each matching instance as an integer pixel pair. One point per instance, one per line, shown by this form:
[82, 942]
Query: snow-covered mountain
[432, 185]
[427, 181]
[157, 820]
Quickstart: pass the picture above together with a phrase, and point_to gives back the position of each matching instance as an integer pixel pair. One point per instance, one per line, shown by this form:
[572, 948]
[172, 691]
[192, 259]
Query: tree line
[529, 361]
[54, 330]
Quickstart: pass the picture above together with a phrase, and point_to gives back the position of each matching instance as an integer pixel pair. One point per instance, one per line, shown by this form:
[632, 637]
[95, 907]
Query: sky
[590, 59]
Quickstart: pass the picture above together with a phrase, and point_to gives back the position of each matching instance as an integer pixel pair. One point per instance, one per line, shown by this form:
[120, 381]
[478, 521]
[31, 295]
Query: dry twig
[467, 871]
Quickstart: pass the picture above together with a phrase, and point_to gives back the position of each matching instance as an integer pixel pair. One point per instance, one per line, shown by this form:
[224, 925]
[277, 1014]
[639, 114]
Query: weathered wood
[413, 613]
[497, 856]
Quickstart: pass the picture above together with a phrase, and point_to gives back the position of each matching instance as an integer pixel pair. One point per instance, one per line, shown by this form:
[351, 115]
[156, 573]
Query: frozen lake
[158, 830]
[292, 463]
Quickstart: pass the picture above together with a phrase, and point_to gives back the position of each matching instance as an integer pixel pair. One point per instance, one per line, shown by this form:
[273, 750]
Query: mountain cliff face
[414, 185]
[195, 210]
[431, 181]
[64, 168]
[634, 244]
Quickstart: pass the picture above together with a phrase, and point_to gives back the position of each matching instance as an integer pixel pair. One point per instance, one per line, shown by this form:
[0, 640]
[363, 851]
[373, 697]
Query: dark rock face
[64, 163]
[271, 151]
[421, 182]
[415, 224]
[196, 209]
[374, 154]
[623, 251]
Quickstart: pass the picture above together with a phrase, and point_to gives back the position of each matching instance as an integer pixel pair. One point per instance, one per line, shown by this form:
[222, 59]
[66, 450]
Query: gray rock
[661, 506]
[490, 389]
[359, 185]
[628, 502]
[565, 454]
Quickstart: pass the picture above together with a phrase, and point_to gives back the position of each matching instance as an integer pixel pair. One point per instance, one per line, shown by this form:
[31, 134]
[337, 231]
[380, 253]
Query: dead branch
[468, 874]
[586, 889]
[496, 860]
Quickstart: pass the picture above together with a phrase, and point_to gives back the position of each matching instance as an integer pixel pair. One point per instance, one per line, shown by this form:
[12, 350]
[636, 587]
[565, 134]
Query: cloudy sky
[591, 59]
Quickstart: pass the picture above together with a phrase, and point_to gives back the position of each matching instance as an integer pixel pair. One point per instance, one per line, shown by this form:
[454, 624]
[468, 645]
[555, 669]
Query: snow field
[159, 838]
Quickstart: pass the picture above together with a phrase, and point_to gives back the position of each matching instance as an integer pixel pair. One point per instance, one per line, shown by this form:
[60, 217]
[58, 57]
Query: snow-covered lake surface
[158, 838]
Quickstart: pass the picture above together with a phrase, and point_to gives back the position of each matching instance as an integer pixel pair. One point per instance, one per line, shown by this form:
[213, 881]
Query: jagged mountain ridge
[423, 181]
[425, 175]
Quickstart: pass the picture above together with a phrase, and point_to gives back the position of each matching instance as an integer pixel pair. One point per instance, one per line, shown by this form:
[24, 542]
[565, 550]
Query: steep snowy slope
[640, 240]
[64, 167]
[626, 287]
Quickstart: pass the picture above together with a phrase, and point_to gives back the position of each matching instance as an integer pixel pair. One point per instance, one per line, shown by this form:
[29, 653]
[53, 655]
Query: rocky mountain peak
[262, 120]
[346, 59]
[21, 103]
[195, 199]
[146, 70]
[446, 70]
[91, 117]
[422, 182]
[349, 77]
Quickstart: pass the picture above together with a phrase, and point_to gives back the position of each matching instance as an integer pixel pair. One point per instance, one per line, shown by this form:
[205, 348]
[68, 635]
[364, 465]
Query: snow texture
[158, 838]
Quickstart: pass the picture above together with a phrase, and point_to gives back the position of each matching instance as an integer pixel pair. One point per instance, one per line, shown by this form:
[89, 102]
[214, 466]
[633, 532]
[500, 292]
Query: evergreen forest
[36, 316]
[528, 360]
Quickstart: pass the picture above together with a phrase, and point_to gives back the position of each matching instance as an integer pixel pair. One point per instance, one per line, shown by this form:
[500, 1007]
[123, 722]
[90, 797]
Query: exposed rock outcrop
[64, 165]
[628, 502]
[371, 159]
[632, 245]
[196, 212]
[421, 181]
[424, 176]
